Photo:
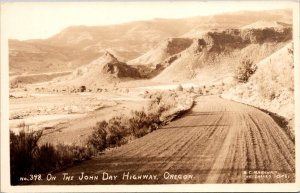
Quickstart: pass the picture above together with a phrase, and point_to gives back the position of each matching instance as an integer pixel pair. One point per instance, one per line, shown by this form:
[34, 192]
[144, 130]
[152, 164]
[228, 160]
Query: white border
[5, 179]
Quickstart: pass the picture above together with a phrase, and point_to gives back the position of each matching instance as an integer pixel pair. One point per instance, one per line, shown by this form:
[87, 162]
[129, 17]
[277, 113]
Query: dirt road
[219, 141]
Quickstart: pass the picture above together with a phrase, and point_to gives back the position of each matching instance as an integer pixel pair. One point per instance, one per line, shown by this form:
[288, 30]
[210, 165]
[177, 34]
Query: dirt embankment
[219, 141]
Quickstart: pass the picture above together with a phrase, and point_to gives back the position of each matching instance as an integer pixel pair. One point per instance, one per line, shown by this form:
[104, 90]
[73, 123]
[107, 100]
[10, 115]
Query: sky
[42, 20]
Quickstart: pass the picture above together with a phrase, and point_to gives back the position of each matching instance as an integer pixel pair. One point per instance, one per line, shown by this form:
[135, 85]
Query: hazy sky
[42, 20]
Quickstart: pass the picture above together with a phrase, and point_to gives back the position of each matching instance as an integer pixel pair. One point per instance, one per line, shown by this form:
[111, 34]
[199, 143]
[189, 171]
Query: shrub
[79, 153]
[82, 88]
[244, 70]
[26, 157]
[65, 154]
[119, 129]
[98, 137]
[23, 148]
[116, 132]
[291, 50]
[161, 102]
[199, 91]
[220, 91]
[70, 154]
[191, 89]
[267, 91]
[46, 158]
[79, 72]
[140, 123]
[179, 88]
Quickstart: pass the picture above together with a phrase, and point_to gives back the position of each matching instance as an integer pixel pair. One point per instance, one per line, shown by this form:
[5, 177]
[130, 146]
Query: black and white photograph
[149, 93]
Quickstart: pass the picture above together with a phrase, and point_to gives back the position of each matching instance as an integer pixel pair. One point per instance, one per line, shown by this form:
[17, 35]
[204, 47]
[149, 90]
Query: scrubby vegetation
[244, 70]
[162, 108]
[27, 157]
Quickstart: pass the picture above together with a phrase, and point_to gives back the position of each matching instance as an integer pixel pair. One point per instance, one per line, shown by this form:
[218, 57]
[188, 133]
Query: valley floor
[218, 141]
[68, 118]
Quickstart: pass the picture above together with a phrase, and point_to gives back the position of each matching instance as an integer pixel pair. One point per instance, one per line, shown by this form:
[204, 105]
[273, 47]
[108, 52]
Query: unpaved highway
[218, 141]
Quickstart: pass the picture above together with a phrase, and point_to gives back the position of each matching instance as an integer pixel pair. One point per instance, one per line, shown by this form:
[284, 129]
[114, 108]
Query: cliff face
[239, 38]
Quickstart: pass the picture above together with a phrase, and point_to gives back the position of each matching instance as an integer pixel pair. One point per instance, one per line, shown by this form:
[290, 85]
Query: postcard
[150, 96]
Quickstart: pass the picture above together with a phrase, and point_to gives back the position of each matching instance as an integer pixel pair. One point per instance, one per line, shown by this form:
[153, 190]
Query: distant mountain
[79, 45]
[237, 20]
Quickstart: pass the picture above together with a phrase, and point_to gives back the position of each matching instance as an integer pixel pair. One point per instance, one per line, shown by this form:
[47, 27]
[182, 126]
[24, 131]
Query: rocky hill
[216, 53]
[105, 70]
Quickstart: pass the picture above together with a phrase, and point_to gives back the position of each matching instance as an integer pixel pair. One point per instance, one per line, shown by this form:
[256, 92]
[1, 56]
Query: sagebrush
[161, 109]
[27, 157]
[244, 70]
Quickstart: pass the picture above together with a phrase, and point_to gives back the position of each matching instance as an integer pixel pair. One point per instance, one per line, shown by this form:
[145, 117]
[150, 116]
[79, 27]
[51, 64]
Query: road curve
[218, 141]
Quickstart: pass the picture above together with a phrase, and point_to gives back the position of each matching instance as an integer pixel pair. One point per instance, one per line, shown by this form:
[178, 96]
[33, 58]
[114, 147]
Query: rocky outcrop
[109, 65]
[102, 71]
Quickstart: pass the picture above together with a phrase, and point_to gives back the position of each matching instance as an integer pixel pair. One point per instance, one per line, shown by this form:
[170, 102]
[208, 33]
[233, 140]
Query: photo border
[5, 169]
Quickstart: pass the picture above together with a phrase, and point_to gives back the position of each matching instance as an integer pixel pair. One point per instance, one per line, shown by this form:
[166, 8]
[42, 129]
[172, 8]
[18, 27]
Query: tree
[82, 89]
[244, 70]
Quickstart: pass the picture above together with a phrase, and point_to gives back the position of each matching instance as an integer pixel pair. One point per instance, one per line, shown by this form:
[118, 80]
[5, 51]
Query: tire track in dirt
[218, 141]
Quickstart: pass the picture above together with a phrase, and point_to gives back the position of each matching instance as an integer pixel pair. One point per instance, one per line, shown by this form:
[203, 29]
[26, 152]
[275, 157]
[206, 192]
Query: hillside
[271, 87]
[38, 57]
[79, 45]
[216, 53]
[162, 51]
